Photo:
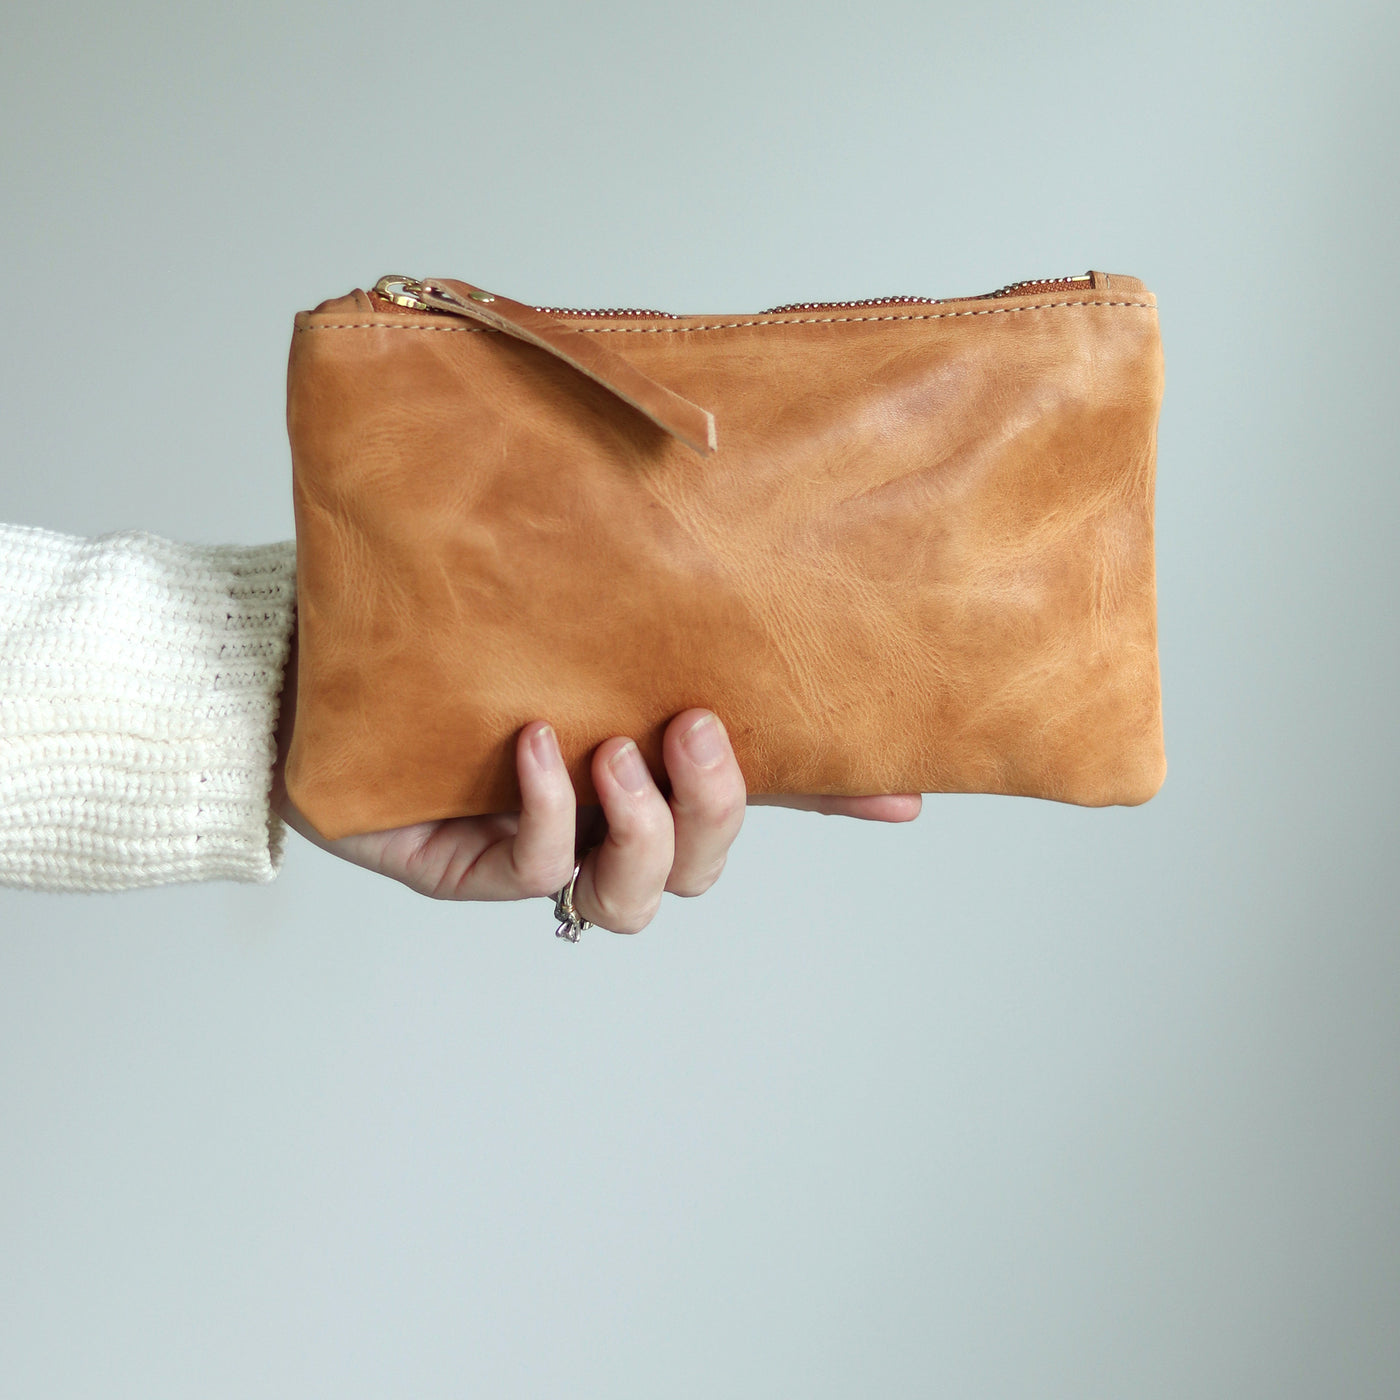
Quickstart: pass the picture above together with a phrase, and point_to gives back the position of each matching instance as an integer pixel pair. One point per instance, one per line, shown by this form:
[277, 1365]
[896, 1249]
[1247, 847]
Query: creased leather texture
[922, 559]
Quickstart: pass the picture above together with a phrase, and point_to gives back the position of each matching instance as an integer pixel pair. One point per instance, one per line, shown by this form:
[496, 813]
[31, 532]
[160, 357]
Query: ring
[570, 924]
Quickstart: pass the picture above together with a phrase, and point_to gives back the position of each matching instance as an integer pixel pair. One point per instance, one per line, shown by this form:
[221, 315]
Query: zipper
[409, 294]
[544, 328]
[1033, 286]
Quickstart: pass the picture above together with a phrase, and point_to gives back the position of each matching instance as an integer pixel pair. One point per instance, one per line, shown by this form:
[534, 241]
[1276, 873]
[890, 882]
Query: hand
[643, 844]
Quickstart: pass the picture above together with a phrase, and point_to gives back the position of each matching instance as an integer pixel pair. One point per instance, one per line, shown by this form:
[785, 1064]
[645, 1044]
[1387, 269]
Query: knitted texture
[139, 684]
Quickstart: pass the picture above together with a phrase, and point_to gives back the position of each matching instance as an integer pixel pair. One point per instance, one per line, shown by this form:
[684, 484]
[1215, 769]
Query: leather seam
[728, 325]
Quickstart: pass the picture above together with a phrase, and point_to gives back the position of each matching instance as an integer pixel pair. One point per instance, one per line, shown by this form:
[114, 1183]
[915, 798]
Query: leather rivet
[481, 296]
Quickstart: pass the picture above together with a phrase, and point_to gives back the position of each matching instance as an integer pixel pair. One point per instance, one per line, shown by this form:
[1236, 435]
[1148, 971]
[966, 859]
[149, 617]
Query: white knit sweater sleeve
[139, 685]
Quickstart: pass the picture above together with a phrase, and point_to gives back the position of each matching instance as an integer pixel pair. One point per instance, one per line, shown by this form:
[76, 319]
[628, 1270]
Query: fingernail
[703, 742]
[545, 747]
[628, 768]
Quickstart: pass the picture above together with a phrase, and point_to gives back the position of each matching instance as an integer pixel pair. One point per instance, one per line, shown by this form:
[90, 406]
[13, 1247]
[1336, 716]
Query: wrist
[286, 721]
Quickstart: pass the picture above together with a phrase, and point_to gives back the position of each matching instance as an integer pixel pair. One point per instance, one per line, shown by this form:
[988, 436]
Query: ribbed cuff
[139, 686]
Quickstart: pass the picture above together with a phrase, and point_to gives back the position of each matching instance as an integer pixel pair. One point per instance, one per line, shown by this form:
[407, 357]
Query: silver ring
[570, 924]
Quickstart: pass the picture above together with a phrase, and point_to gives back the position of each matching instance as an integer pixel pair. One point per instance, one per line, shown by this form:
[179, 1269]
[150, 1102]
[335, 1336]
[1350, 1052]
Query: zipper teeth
[1029, 286]
[383, 303]
[1048, 284]
[608, 311]
[851, 305]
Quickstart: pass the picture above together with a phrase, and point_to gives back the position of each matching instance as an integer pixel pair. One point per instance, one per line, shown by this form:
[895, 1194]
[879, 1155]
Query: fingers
[882, 807]
[508, 856]
[542, 854]
[648, 845]
[707, 799]
[621, 882]
[653, 846]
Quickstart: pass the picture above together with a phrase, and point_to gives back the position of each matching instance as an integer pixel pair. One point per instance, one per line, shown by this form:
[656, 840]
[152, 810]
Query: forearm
[139, 699]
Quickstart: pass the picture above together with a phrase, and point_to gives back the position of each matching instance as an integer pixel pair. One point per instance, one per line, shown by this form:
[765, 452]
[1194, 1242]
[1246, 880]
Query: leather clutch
[897, 545]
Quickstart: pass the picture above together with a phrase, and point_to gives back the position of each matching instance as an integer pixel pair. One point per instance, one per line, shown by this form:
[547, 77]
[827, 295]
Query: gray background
[1018, 1100]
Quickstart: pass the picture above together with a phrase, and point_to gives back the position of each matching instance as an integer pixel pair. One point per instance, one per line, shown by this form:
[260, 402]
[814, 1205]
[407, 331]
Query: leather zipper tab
[684, 420]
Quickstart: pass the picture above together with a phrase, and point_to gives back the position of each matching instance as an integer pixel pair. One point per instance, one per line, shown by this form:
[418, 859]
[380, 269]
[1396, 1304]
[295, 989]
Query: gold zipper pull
[424, 296]
[402, 291]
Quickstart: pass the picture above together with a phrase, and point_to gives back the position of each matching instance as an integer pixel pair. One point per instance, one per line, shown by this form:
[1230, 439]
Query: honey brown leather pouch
[900, 545]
